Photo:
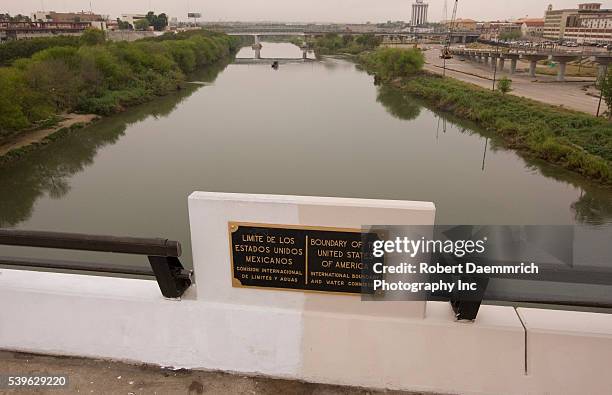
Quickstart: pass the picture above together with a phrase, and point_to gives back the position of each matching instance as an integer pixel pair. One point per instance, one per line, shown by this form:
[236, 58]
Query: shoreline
[553, 150]
[29, 138]
[26, 141]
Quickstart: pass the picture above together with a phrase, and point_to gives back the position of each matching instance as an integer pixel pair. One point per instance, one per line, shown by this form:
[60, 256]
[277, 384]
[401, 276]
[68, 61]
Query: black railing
[163, 255]
[467, 304]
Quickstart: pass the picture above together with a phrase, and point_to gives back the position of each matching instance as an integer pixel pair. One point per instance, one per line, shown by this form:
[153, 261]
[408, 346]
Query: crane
[446, 54]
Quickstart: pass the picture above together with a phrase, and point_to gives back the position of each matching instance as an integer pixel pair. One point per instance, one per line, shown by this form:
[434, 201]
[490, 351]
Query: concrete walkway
[88, 376]
[571, 94]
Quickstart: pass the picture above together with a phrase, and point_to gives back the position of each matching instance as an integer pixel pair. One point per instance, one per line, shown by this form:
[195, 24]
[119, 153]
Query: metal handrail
[87, 242]
[163, 255]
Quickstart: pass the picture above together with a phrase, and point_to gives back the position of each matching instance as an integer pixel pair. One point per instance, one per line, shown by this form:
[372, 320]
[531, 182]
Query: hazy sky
[292, 10]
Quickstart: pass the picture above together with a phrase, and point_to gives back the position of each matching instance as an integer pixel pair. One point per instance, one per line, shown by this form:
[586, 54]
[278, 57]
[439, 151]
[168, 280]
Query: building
[496, 29]
[132, 18]
[52, 16]
[33, 29]
[419, 13]
[531, 27]
[588, 23]
[464, 24]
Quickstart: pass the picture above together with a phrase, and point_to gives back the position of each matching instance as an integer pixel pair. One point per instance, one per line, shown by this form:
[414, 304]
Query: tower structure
[419, 13]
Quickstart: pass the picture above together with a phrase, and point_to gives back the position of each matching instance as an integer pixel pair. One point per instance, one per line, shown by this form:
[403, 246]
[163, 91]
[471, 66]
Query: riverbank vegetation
[101, 77]
[13, 50]
[575, 141]
[391, 63]
[333, 43]
[570, 139]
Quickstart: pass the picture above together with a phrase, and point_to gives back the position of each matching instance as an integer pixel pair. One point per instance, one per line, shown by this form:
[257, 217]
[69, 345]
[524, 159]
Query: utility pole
[444, 68]
[601, 86]
[495, 60]
[446, 54]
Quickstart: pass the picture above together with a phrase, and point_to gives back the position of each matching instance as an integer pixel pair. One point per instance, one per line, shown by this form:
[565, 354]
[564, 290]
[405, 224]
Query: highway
[569, 94]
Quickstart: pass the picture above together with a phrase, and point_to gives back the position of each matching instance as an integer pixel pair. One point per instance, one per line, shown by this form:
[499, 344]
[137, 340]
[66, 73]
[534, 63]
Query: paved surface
[88, 376]
[570, 94]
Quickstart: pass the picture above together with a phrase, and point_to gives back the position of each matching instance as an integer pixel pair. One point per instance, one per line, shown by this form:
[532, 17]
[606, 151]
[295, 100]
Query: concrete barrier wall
[128, 35]
[322, 338]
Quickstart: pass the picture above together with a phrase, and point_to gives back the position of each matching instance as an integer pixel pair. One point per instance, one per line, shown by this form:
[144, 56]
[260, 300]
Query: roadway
[570, 94]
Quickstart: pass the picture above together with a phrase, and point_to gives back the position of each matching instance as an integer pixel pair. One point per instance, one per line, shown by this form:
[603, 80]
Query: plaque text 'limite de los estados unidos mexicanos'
[299, 258]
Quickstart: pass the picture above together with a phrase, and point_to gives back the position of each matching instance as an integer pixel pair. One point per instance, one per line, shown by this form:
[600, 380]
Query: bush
[93, 37]
[391, 63]
[504, 85]
[101, 77]
[13, 50]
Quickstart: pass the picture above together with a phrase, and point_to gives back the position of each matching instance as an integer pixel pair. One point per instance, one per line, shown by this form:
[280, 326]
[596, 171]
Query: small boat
[275, 65]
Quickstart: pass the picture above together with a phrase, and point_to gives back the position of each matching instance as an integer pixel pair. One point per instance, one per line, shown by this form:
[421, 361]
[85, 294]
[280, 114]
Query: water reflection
[594, 205]
[48, 169]
[316, 128]
[399, 104]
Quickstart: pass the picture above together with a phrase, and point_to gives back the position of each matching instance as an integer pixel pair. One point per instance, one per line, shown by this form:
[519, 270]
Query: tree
[151, 18]
[161, 22]
[93, 37]
[141, 24]
[510, 35]
[123, 25]
[606, 91]
[391, 63]
[504, 85]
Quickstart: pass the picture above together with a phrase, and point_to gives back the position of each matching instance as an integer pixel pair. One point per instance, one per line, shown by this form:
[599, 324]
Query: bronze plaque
[301, 258]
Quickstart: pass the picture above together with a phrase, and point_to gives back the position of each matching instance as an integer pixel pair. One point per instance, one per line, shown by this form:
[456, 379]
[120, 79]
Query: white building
[588, 23]
[419, 13]
[132, 18]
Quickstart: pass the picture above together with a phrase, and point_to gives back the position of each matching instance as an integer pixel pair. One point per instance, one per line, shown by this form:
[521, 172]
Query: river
[315, 128]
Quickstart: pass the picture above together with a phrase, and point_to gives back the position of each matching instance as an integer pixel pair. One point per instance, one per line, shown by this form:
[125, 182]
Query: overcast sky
[292, 10]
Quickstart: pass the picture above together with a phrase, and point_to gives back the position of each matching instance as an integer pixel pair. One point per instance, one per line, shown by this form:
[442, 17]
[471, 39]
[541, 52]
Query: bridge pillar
[513, 57]
[502, 63]
[602, 70]
[258, 53]
[562, 60]
[602, 66]
[304, 53]
[513, 62]
[494, 58]
[561, 72]
[533, 62]
[485, 58]
[532, 68]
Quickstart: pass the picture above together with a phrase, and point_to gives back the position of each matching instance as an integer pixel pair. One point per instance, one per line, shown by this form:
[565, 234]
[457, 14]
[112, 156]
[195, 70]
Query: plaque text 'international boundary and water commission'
[299, 258]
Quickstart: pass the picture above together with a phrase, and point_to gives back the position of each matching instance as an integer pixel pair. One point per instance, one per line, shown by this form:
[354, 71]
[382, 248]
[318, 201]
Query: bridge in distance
[457, 37]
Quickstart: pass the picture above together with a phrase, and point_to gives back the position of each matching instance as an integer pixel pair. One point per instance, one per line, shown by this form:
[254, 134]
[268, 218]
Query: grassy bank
[575, 141]
[101, 77]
